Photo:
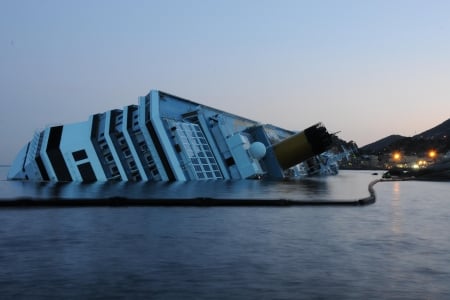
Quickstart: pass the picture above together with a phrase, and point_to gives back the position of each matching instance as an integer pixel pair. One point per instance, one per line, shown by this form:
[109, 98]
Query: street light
[432, 154]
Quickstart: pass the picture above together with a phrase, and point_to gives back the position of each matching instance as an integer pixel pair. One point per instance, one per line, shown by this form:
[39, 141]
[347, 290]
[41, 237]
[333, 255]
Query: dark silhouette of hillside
[437, 138]
[437, 132]
[382, 144]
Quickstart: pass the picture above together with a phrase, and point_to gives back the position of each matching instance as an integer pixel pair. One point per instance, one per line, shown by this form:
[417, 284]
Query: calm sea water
[397, 248]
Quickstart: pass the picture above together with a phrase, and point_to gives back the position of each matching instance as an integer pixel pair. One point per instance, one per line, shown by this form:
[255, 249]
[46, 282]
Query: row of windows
[198, 152]
[149, 161]
[124, 151]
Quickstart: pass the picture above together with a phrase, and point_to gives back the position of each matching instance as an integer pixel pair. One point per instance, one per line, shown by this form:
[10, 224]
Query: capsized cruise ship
[168, 138]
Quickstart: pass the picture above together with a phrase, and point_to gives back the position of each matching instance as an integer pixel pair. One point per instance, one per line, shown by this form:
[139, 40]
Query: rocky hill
[437, 138]
[437, 132]
[382, 144]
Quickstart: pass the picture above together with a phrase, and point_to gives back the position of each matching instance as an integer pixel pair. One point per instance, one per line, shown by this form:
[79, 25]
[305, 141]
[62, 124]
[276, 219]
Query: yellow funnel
[301, 146]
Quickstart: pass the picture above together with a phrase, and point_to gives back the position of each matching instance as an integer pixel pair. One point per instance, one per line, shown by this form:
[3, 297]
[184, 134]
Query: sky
[366, 69]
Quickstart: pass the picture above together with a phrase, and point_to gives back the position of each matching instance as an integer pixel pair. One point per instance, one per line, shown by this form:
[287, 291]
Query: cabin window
[79, 155]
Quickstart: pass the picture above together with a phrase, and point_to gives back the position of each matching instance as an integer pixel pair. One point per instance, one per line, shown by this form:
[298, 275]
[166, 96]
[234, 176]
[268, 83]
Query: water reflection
[345, 186]
[241, 189]
[396, 217]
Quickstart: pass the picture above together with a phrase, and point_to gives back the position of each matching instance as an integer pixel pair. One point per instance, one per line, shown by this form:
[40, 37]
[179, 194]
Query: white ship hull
[167, 138]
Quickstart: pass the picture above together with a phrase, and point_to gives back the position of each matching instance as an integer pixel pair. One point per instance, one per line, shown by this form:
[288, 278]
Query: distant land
[437, 138]
[424, 156]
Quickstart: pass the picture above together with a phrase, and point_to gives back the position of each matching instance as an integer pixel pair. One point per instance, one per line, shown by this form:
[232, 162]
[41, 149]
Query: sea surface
[397, 248]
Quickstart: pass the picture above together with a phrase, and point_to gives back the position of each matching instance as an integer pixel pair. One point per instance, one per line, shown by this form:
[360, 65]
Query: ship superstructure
[167, 138]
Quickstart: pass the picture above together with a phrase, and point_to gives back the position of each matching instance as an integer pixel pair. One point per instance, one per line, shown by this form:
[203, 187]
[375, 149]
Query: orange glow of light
[397, 155]
[432, 153]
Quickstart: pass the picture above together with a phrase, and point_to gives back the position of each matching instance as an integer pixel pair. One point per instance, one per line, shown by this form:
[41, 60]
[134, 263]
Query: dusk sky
[366, 68]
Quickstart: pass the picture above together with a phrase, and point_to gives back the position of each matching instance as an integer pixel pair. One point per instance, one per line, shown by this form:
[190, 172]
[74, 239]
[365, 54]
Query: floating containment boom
[167, 138]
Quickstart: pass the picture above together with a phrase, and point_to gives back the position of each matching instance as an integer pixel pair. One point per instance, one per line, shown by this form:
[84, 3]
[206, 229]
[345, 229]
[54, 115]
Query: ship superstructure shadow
[168, 138]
